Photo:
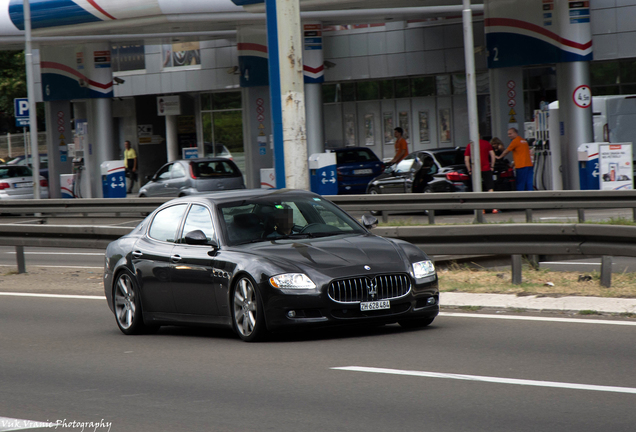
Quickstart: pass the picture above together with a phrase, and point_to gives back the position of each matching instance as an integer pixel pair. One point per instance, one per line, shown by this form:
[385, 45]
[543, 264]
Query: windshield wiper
[291, 236]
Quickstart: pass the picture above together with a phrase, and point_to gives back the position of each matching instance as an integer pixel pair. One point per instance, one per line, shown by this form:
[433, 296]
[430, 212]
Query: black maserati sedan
[262, 260]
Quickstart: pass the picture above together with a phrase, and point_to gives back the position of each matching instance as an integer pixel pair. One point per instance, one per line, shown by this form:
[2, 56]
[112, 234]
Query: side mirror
[149, 178]
[198, 237]
[369, 221]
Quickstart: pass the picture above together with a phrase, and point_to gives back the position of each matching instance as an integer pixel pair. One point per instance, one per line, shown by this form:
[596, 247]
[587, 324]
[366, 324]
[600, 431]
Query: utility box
[588, 166]
[113, 179]
[323, 173]
[67, 186]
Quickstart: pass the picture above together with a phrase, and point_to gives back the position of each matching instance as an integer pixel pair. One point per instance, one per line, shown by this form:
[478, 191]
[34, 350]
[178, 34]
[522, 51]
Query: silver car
[193, 176]
[16, 182]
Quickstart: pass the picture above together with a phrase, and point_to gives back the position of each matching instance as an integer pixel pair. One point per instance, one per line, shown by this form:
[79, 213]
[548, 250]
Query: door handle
[175, 258]
[137, 254]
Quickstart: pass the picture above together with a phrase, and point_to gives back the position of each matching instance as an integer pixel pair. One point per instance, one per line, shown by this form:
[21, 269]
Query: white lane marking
[60, 296]
[11, 424]
[49, 266]
[58, 253]
[488, 379]
[532, 318]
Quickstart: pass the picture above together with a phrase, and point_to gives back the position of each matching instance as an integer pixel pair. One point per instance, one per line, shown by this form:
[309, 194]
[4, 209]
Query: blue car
[356, 167]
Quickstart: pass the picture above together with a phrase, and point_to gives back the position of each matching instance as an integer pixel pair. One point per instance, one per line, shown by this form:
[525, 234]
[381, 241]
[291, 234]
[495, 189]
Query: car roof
[341, 149]
[441, 150]
[206, 159]
[216, 198]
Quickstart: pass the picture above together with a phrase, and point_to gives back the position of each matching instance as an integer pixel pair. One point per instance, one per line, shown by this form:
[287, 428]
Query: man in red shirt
[401, 147]
[487, 161]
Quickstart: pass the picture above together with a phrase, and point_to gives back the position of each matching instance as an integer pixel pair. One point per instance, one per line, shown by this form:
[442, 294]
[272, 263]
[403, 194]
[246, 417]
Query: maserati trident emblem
[367, 267]
[372, 287]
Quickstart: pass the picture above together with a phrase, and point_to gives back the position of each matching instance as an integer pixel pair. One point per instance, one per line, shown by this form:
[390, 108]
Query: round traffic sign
[511, 84]
[511, 103]
[582, 96]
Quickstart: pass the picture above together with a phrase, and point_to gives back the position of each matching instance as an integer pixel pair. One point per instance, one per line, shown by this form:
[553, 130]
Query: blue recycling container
[113, 179]
[322, 173]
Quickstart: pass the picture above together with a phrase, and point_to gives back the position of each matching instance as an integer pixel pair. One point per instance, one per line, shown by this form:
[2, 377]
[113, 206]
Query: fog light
[430, 301]
[291, 314]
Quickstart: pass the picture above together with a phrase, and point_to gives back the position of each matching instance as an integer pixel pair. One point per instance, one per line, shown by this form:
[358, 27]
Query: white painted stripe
[51, 266]
[59, 296]
[532, 318]
[58, 253]
[496, 380]
[11, 424]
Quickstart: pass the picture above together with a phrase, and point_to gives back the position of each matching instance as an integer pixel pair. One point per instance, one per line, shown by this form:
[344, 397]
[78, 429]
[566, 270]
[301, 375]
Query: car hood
[336, 257]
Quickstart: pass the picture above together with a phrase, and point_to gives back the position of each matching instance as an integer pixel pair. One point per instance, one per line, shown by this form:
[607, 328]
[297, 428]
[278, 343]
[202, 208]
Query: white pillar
[285, 44]
[172, 144]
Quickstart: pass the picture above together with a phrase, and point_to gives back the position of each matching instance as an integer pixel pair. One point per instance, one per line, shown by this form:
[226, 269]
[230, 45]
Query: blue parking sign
[21, 112]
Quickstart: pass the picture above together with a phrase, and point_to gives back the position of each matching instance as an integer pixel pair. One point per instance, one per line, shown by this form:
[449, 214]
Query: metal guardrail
[387, 204]
[506, 239]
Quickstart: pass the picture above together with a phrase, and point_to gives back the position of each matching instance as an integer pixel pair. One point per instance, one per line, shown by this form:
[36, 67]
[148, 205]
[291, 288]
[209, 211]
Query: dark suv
[356, 167]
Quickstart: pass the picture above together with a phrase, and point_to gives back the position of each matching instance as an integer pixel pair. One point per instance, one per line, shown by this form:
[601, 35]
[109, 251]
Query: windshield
[278, 218]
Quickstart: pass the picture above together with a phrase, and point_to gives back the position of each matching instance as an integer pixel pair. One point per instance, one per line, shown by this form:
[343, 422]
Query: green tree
[12, 85]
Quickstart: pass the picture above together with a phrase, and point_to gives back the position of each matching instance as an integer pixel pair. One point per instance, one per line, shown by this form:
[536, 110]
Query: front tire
[247, 311]
[127, 305]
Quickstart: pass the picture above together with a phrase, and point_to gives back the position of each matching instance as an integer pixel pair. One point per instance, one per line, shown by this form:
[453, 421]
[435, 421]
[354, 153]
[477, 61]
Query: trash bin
[67, 186]
[588, 166]
[322, 171]
[113, 179]
[268, 178]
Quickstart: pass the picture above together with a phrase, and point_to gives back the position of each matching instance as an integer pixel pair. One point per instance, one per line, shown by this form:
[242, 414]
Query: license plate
[375, 305]
[363, 171]
[24, 185]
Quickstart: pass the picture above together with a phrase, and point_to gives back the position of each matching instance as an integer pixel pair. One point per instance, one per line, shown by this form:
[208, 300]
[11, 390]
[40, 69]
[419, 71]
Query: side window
[164, 173]
[405, 165]
[178, 171]
[166, 222]
[199, 219]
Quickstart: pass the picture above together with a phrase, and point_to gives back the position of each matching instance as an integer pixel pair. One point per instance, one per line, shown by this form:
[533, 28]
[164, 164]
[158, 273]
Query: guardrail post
[516, 269]
[385, 217]
[528, 215]
[479, 216]
[581, 213]
[606, 271]
[19, 255]
[634, 214]
[431, 217]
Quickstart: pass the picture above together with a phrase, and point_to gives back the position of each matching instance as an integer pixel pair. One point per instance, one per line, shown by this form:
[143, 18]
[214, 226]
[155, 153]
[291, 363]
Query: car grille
[363, 289]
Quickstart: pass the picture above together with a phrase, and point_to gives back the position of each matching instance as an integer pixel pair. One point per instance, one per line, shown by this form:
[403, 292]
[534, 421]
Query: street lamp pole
[33, 125]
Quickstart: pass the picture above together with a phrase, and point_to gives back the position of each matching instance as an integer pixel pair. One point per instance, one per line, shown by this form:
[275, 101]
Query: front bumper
[317, 309]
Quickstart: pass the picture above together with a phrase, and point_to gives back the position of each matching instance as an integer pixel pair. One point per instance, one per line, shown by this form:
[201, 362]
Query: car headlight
[292, 281]
[423, 268]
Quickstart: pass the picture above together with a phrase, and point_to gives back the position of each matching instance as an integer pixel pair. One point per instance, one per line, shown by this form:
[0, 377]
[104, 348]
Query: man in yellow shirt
[130, 162]
[522, 160]
[401, 147]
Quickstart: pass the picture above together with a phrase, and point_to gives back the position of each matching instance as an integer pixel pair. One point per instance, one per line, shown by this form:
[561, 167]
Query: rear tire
[127, 305]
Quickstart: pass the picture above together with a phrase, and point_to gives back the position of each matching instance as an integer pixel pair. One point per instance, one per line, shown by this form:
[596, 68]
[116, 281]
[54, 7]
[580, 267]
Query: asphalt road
[65, 360]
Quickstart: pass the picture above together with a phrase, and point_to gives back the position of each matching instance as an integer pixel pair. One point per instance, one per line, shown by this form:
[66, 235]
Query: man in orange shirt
[401, 147]
[522, 160]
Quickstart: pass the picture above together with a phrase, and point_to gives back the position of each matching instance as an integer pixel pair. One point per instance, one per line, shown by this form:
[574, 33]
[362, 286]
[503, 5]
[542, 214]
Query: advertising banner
[616, 165]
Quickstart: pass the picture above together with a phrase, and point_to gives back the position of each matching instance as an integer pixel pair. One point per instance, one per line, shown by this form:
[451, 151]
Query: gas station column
[521, 33]
[314, 71]
[506, 99]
